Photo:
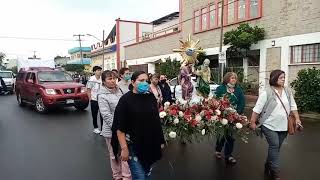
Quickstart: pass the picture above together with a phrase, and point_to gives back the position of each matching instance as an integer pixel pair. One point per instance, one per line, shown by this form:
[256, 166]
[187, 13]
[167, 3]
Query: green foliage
[307, 89]
[201, 57]
[244, 36]
[14, 69]
[74, 67]
[170, 68]
[2, 56]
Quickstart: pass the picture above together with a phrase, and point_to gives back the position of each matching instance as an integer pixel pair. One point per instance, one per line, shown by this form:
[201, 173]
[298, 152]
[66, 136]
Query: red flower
[208, 117]
[193, 123]
[173, 112]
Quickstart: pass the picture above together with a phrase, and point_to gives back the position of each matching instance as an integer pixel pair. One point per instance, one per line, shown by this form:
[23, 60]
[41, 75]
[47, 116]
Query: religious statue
[204, 78]
[189, 52]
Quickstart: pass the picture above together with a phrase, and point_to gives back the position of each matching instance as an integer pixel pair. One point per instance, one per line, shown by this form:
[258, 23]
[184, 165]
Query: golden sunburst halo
[189, 51]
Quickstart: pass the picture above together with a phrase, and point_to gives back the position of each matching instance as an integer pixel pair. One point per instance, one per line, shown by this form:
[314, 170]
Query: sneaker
[96, 131]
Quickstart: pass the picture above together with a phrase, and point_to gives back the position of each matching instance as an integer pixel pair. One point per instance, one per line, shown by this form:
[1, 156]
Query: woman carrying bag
[273, 108]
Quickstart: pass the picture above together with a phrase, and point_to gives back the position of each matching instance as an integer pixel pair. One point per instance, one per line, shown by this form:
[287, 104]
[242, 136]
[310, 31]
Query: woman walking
[138, 128]
[108, 97]
[273, 106]
[233, 92]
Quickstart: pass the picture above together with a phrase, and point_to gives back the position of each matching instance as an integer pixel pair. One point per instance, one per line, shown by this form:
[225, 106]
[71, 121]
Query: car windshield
[54, 76]
[6, 74]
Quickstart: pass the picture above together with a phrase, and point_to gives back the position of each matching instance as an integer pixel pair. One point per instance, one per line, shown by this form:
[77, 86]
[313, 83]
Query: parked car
[46, 88]
[177, 92]
[9, 80]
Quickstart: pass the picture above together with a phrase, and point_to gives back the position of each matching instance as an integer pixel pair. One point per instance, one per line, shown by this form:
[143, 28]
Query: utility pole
[222, 65]
[103, 45]
[79, 39]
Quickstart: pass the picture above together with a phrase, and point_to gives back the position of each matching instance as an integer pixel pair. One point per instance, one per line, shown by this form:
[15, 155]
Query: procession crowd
[128, 105]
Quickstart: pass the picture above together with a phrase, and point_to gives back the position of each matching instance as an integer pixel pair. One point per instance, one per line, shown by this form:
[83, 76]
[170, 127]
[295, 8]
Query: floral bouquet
[210, 117]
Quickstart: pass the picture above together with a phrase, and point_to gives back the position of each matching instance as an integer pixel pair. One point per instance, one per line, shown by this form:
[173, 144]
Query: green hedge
[307, 90]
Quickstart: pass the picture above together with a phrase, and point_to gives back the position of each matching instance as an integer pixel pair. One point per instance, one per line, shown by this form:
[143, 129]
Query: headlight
[83, 89]
[51, 91]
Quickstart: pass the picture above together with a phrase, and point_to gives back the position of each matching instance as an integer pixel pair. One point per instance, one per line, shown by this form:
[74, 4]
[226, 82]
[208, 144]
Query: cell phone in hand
[299, 127]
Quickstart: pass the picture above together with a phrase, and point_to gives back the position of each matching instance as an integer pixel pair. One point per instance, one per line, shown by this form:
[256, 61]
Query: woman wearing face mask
[234, 93]
[137, 128]
[108, 97]
[155, 89]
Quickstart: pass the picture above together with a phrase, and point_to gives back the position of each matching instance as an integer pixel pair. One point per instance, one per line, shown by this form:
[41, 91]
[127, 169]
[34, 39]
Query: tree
[242, 38]
[2, 56]
[74, 67]
[170, 68]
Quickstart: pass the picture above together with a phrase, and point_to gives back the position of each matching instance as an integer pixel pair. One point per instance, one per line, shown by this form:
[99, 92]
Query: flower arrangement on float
[210, 117]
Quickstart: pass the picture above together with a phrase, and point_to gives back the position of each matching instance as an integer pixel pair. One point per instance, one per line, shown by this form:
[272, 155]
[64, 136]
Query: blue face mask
[143, 87]
[127, 77]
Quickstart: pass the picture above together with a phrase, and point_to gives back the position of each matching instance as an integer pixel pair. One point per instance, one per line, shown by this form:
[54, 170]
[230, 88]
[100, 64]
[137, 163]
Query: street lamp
[102, 46]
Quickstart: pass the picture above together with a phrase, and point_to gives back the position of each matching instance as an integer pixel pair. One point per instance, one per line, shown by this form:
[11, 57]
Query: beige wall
[161, 46]
[279, 18]
[294, 69]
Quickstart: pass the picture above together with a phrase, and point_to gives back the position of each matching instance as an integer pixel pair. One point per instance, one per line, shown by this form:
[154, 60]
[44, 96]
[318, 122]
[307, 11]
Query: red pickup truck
[46, 88]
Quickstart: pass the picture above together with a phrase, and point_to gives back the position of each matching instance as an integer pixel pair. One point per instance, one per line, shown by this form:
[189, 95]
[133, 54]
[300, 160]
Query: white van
[9, 79]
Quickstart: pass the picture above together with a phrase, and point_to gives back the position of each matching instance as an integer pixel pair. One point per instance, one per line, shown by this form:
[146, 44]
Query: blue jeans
[275, 140]
[138, 172]
[226, 142]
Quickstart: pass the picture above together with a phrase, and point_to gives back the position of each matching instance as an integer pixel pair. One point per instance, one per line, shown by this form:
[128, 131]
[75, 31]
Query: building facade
[292, 40]
[75, 57]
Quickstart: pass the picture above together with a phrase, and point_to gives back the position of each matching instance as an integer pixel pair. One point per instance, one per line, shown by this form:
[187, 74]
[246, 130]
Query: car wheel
[81, 106]
[20, 100]
[39, 105]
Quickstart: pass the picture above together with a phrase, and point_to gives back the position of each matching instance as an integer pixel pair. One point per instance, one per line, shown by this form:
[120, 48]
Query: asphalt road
[61, 146]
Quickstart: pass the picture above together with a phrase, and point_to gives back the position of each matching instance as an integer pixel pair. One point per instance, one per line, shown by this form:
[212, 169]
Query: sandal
[218, 155]
[231, 160]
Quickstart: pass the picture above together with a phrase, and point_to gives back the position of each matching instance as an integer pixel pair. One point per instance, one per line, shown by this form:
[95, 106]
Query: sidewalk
[251, 101]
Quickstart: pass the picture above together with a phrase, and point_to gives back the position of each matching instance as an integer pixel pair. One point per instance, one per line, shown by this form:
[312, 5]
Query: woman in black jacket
[137, 128]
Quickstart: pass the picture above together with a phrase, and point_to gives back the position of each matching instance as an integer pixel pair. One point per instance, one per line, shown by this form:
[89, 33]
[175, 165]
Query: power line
[35, 38]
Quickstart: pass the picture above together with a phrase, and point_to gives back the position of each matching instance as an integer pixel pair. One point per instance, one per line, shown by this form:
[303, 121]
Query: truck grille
[69, 91]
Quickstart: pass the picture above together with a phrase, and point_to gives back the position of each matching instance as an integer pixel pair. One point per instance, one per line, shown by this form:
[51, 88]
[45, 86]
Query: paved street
[61, 146]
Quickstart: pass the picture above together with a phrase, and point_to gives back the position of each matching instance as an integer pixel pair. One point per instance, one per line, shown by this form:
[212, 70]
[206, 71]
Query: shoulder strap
[282, 103]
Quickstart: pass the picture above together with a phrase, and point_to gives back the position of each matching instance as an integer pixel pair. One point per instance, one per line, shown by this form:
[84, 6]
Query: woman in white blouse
[272, 114]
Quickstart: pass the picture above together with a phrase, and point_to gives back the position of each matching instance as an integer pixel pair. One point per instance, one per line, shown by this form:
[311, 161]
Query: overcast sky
[60, 19]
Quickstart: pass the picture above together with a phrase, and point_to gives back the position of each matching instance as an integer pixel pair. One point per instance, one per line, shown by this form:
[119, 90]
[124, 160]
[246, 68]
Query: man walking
[93, 87]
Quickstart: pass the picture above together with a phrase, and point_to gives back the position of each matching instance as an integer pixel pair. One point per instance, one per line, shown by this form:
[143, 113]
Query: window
[231, 5]
[235, 11]
[219, 14]
[197, 21]
[305, 54]
[212, 15]
[204, 16]
[241, 9]
[254, 10]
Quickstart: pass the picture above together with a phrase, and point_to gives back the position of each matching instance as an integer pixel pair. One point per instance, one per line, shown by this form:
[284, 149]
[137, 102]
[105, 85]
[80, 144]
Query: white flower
[239, 125]
[224, 121]
[166, 104]
[172, 134]
[198, 118]
[203, 132]
[181, 114]
[218, 112]
[176, 121]
[214, 118]
[202, 113]
[162, 114]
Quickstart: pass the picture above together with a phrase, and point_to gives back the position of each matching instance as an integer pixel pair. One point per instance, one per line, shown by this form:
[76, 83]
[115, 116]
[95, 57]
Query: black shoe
[267, 169]
[275, 175]
[231, 160]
